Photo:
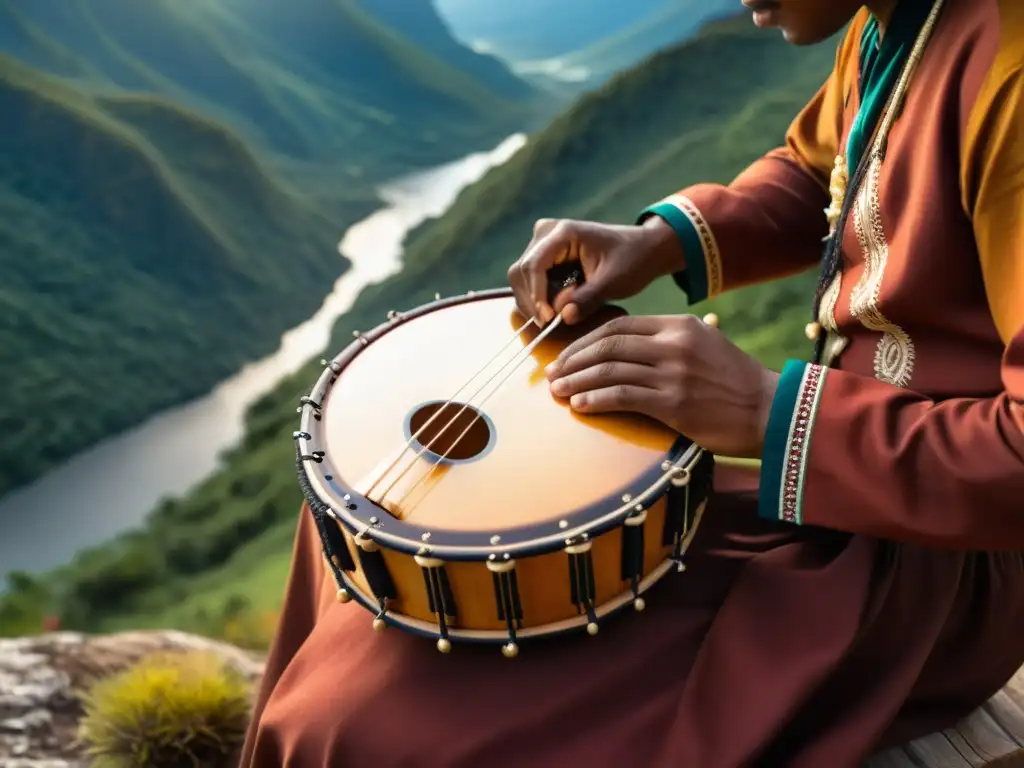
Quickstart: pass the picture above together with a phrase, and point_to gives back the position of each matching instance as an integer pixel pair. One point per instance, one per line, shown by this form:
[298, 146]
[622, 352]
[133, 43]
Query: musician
[866, 585]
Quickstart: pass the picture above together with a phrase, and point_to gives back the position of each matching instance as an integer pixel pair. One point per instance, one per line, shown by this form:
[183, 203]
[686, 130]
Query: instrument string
[523, 354]
[409, 443]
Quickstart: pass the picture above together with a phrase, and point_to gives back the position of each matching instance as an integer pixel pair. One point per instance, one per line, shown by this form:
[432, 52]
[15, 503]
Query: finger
[538, 259]
[542, 226]
[602, 375]
[620, 326]
[641, 350]
[577, 302]
[517, 282]
[622, 398]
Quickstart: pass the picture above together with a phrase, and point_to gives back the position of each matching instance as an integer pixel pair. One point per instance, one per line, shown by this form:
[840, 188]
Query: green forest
[215, 561]
[174, 180]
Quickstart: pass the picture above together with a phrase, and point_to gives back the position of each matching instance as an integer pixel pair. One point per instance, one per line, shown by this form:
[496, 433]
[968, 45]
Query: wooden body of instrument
[537, 521]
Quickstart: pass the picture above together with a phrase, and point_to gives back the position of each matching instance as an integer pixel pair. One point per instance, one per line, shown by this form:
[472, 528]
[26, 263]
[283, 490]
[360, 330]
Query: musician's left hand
[675, 369]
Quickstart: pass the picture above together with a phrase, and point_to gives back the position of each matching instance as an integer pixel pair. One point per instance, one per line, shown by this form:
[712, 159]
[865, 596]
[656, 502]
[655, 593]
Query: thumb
[578, 302]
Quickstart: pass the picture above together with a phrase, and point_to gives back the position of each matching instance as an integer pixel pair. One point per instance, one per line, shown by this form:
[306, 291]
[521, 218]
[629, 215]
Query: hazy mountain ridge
[573, 45]
[312, 79]
[539, 29]
[700, 111]
[140, 266]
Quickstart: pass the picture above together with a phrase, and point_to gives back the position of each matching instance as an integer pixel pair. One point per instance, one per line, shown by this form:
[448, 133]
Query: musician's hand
[618, 262]
[675, 369]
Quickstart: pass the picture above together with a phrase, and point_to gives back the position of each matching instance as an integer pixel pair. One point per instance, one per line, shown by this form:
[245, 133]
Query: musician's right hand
[618, 262]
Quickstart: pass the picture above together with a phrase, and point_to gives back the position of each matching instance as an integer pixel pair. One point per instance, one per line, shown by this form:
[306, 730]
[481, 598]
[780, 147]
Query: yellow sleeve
[992, 175]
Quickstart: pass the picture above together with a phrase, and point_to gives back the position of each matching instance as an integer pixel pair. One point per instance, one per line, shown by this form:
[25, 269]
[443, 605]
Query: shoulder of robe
[848, 55]
[991, 94]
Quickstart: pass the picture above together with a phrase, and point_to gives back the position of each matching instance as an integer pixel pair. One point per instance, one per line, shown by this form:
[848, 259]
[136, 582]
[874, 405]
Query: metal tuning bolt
[379, 622]
[343, 595]
[711, 319]
[437, 297]
[510, 650]
[444, 645]
[681, 477]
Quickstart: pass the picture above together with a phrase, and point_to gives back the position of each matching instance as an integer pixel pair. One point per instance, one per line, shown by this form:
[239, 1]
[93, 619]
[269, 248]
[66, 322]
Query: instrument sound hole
[456, 431]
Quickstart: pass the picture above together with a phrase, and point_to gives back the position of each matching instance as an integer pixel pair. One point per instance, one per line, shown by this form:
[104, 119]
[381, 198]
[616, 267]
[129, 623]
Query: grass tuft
[184, 710]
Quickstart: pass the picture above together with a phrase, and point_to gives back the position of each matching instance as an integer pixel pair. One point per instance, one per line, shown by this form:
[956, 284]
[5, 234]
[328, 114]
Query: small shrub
[186, 710]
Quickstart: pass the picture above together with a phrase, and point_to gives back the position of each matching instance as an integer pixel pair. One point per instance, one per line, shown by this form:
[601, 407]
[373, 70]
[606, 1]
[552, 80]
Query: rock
[40, 678]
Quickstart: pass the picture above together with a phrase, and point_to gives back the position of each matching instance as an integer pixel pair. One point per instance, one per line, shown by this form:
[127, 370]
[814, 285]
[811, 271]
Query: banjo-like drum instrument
[458, 499]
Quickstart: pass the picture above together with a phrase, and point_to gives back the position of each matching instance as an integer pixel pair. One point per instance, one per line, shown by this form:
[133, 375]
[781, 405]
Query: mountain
[421, 23]
[352, 82]
[568, 46]
[541, 29]
[174, 177]
[664, 27]
[221, 554]
[147, 253]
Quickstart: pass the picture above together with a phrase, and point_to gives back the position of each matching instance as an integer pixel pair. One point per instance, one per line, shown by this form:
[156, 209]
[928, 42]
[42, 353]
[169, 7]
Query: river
[113, 486]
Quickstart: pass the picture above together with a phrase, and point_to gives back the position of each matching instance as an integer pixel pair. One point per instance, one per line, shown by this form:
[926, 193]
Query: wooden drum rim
[373, 526]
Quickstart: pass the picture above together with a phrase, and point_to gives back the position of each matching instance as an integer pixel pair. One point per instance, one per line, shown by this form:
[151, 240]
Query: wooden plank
[1005, 711]
[960, 744]
[1013, 760]
[991, 735]
[936, 751]
[985, 736]
[1015, 688]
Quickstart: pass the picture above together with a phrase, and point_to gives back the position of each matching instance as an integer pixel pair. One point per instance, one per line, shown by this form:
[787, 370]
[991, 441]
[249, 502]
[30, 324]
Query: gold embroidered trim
[794, 471]
[712, 255]
[835, 342]
[894, 354]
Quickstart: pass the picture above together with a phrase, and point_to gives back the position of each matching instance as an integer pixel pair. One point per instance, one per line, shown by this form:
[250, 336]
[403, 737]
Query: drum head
[524, 456]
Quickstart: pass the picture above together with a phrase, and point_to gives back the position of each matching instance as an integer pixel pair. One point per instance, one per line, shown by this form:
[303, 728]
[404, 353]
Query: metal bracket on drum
[440, 599]
[582, 586]
[632, 569]
[506, 595]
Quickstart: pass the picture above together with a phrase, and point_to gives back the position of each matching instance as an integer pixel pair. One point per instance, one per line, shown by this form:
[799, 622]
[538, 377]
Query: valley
[699, 111]
[175, 177]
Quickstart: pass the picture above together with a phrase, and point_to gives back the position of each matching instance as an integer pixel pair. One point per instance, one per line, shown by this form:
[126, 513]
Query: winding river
[113, 486]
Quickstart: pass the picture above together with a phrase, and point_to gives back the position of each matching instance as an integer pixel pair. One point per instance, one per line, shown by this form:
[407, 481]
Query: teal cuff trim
[776, 439]
[694, 279]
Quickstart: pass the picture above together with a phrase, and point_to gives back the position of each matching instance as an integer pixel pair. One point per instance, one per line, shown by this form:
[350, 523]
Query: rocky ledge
[40, 678]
